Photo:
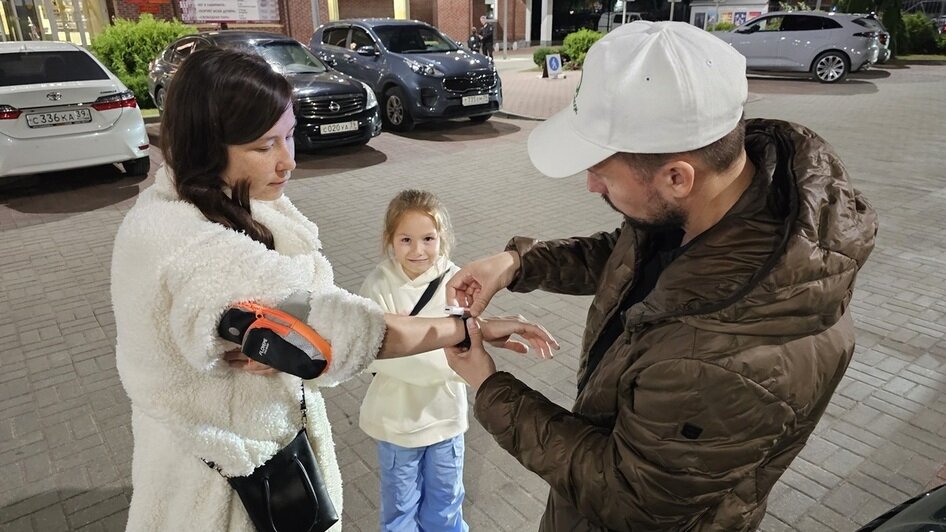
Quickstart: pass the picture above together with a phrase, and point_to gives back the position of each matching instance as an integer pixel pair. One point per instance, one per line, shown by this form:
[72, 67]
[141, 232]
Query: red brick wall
[298, 18]
[365, 8]
[423, 10]
[130, 9]
[517, 20]
[323, 11]
[453, 17]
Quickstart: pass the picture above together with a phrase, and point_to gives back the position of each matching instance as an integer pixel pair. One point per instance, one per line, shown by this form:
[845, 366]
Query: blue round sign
[554, 63]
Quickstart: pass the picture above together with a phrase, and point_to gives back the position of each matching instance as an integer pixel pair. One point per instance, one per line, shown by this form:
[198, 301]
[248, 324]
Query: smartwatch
[461, 314]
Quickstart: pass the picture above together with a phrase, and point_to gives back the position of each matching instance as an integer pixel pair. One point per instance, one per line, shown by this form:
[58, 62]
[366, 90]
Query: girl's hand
[237, 360]
[498, 331]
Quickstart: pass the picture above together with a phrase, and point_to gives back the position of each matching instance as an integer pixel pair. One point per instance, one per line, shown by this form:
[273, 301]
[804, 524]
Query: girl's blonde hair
[423, 202]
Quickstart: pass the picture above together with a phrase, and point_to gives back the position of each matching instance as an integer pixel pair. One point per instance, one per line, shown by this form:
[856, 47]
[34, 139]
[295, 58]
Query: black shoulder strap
[429, 293]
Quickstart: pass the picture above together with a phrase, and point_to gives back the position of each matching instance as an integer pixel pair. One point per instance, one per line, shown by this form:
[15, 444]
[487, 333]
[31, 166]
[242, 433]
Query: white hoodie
[173, 275]
[412, 401]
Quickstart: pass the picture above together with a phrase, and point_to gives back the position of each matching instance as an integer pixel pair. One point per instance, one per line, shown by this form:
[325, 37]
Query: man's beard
[668, 217]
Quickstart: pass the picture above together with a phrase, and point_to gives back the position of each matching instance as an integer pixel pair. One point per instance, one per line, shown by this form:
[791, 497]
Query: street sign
[553, 63]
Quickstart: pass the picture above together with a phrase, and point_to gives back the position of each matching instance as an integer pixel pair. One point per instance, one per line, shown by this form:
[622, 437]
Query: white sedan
[61, 109]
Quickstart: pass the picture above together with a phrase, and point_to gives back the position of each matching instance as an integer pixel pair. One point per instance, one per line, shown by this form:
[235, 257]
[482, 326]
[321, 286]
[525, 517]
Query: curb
[516, 116]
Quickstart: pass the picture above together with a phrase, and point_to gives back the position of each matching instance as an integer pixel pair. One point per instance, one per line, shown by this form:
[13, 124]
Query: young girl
[416, 408]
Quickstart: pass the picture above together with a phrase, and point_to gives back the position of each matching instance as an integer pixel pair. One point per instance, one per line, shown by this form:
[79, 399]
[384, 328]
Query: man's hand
[477, 282]
[237, 360]
[498, 331]
[474, 365]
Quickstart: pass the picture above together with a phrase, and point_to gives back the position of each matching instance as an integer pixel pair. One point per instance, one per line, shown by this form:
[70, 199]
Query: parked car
[417, 72]
[611, 21]
[871, 22]
[829, 46]
[334, 109]
[61, 109]
[925, 512]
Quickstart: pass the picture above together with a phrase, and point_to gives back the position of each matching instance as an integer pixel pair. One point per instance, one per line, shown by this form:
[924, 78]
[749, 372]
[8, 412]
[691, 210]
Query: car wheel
[396, 116]
[830, 67]
[137, 166]
[159, 95]
[479, 119]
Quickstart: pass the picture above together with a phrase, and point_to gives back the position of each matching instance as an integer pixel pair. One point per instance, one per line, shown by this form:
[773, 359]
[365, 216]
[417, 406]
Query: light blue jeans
[422, 487]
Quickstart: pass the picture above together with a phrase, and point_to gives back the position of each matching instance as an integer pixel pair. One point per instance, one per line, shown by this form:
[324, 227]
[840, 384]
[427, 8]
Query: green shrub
[538, 56]
[941, 43]
[921, 34]
[722, 26]
[797, 6]
[127, 46]
[576, 45]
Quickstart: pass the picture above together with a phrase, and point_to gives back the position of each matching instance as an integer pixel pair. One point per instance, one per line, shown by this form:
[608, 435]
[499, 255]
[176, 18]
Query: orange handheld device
[277, 339]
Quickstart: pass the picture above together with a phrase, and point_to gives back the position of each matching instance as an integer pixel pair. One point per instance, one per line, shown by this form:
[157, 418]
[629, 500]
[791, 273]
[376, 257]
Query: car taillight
[867, 34]
[9, 113]
[115, 101]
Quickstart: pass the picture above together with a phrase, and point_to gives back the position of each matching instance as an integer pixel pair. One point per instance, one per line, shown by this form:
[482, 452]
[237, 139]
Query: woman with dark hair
[215, 230]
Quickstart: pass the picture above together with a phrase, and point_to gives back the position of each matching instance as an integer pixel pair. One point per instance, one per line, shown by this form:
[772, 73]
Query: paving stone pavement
[65, 439]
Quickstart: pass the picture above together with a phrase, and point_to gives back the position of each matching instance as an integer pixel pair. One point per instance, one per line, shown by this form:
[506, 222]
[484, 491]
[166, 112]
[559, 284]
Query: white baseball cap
[646, 87]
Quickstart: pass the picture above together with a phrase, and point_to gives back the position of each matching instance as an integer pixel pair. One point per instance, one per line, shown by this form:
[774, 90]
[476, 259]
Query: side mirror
[327, 59]
[367, 50]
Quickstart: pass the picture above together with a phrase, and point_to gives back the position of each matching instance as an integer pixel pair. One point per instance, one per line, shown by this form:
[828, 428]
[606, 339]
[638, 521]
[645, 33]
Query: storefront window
[75, 21]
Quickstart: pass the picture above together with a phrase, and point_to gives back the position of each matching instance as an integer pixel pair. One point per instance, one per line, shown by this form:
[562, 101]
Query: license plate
[59, 118]
[340, 127]
[479, 99]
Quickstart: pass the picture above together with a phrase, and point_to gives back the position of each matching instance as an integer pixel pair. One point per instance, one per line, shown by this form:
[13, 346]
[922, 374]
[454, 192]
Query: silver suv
[829, 46]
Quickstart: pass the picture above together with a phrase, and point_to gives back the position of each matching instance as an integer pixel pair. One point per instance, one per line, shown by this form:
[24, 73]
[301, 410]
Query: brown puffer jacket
[723, 370]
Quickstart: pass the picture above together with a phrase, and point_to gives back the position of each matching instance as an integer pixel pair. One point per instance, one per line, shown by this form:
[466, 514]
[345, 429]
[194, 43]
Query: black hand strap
[429, 293]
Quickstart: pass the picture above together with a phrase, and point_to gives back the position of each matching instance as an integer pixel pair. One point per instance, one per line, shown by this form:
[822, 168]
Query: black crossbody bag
[287, 493]
[429, 293]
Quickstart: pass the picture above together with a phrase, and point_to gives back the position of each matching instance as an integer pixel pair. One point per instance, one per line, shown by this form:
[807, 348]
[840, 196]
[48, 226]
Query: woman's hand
[498, 331]
[237, 360]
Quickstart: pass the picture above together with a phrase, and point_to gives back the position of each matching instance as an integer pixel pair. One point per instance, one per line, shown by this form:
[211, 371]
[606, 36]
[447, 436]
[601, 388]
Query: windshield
[414, 39]
[290, 57]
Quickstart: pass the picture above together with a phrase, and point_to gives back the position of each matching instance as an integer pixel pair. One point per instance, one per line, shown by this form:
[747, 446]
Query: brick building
[299, 18]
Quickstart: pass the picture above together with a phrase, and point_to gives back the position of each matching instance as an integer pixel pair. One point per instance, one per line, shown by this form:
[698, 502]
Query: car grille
[331, 106]
[471, 82]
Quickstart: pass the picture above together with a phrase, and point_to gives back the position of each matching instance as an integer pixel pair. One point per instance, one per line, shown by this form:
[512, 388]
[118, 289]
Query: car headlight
[372, 100]
[423, 69]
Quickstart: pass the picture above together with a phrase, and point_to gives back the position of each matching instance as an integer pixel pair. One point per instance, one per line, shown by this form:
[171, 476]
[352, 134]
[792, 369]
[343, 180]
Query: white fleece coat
[173, 275]
[412, 401]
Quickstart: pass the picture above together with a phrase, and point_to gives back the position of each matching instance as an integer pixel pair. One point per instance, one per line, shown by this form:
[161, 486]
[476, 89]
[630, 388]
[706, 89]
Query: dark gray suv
[417, 72]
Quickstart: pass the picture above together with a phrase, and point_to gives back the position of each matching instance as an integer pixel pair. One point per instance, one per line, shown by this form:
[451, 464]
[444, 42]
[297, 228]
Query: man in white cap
[720, 325]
